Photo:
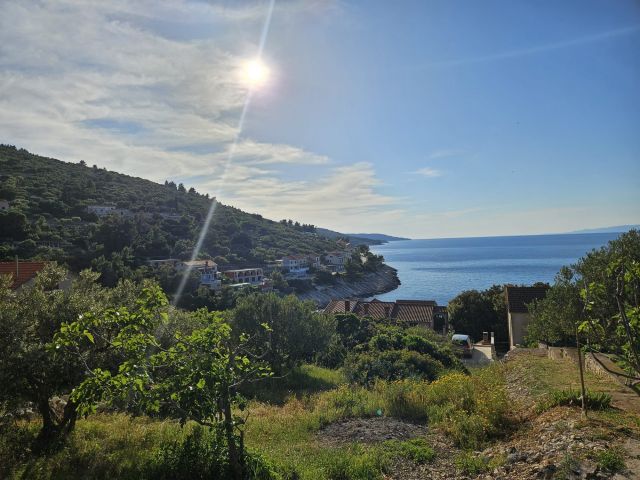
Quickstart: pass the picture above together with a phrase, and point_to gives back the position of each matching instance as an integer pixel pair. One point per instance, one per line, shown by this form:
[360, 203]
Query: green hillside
[48, 218]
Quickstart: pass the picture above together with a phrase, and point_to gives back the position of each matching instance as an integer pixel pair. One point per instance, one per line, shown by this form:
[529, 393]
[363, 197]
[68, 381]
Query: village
[407, 313]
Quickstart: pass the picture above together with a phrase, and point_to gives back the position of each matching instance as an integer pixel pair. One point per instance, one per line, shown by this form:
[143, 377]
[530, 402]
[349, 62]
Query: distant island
[614, 229]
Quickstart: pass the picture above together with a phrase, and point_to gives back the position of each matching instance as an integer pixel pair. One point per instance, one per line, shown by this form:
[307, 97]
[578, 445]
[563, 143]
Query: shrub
[470, 409]
[365, 368]
[573, 398]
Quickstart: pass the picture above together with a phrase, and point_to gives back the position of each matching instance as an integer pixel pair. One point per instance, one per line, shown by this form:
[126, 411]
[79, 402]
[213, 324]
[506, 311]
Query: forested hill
[48, 218]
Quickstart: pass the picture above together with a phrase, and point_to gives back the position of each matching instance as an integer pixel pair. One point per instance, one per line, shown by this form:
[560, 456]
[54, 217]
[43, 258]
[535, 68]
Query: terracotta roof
[519, 297]
[406, 311]
[340, 306]
[375, 309]
[26, 271]
[418, 311]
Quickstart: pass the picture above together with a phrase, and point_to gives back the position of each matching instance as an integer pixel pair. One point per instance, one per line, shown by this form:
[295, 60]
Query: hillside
[48, 218]
[381, 237]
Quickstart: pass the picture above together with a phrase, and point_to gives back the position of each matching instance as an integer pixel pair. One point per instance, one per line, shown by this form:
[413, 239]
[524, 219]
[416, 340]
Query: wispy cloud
[574, 42]
[152, 90]
[428, 172]
[445, 153]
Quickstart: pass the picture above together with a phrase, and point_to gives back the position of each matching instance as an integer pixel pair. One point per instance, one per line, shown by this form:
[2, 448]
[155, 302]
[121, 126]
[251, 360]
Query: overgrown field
[470, 409]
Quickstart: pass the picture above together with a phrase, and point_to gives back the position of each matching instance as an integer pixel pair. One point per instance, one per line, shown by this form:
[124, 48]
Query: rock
[513, 458]
[547, 472]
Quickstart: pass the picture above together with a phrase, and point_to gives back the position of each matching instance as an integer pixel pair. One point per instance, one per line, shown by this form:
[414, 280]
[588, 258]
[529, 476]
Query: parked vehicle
[462, 345]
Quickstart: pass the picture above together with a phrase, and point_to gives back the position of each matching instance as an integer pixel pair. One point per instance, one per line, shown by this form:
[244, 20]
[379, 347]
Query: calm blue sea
[440, 269]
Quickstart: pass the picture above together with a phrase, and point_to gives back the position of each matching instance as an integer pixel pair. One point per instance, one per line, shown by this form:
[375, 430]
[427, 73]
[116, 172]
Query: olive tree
[194, 378]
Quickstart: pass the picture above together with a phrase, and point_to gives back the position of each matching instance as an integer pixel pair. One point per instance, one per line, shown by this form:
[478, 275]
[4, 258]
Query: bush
[470, 409]
[573, 398]
[365, 368]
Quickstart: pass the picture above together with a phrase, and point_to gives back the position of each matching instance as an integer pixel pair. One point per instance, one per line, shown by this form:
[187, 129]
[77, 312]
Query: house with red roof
[21, 272]
[425, 313]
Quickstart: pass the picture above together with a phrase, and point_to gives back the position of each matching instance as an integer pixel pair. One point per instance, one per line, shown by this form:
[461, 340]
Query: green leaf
[201, 383]
[89, 335]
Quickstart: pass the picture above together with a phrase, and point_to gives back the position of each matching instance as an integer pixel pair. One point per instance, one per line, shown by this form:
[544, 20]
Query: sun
[255, 73]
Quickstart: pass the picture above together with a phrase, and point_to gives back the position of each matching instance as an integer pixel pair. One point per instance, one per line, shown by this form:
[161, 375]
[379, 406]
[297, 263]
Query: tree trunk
[583, 390]
[49, 429]
[235, 456]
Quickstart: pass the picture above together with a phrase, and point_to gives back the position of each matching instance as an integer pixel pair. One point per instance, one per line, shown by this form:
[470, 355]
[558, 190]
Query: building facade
[252, 276]
[518, 316]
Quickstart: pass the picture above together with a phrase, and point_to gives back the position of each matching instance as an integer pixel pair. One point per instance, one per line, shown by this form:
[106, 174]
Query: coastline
[374, 283]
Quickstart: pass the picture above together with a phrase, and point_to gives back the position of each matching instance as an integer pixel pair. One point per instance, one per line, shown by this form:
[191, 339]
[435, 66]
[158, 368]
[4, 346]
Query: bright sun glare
[255, 73]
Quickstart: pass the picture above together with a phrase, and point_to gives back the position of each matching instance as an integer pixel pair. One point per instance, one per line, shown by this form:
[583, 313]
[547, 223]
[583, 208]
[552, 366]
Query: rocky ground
[556, 444]
[373, 283]
[369, 430]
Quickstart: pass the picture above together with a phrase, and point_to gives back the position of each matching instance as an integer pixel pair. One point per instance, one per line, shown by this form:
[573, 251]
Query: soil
[369, 430]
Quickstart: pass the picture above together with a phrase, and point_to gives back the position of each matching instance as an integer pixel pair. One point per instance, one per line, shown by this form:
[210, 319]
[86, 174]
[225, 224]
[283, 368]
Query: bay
[439, 269]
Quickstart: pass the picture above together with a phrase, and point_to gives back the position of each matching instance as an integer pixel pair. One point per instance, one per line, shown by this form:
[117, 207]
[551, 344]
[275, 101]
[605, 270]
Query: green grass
[611, 460]
[416, 450]
[573, 398]
[301, 381]
[101, 447]
[467, 462]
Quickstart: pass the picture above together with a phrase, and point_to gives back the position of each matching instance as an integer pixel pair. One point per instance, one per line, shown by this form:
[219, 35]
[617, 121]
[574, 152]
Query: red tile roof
[340, 306]
[519, 297]
[404, 311]
[25, 271]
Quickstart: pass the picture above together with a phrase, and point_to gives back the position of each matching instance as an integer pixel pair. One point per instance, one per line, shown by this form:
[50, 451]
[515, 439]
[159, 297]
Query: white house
[296, 264]
[336, 260]
[208, 269]
[253, 276]
[209, 277]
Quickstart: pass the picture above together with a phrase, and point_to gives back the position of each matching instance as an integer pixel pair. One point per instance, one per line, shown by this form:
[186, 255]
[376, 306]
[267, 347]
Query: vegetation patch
[416, 450]
[611, 460]
[573, 398]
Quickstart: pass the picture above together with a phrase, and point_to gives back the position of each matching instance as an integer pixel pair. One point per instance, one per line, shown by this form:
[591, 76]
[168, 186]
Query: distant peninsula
[614, 229]
[360, 238]
[381, 237]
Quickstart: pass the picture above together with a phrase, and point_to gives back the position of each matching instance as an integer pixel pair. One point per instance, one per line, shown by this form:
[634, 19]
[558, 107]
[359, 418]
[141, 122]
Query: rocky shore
[370, 284]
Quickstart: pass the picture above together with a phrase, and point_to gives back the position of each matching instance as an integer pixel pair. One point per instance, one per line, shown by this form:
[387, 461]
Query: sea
[439, 269]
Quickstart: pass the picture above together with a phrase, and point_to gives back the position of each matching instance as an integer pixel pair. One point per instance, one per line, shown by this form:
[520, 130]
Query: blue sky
[426, 119]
